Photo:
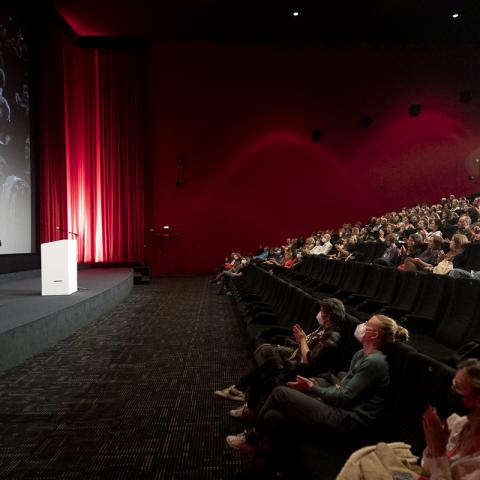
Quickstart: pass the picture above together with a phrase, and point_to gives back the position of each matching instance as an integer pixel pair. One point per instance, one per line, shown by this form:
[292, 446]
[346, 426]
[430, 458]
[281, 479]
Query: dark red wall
[242, 116]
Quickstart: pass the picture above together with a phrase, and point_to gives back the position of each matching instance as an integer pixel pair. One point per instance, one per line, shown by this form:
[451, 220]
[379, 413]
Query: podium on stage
[59, 267]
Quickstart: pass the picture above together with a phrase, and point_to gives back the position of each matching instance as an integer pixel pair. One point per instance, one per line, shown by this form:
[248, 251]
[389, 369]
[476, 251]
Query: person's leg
[255, 393]
[250, 374]
[225, 280]
[237, 391]
[286, 413]
[459, 273]
[286, 407]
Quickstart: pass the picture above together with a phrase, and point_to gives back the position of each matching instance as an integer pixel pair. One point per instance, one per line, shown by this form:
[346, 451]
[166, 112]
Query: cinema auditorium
[239, 240]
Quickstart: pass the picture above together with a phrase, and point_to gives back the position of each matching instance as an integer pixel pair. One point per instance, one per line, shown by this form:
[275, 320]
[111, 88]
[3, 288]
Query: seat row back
[442, 313]
[415, 379]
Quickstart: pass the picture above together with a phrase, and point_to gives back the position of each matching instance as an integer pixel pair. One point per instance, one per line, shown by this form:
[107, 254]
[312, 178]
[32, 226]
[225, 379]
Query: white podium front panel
[59, 267]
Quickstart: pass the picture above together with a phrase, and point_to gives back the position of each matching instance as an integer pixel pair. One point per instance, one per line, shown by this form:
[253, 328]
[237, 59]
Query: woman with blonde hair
[455, 257]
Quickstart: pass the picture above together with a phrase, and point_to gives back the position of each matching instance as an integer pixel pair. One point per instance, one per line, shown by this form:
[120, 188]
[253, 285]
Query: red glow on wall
[243, 117]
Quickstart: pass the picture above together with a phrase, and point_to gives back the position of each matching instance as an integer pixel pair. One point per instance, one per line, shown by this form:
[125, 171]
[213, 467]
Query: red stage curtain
[100, 178]
[52, 166]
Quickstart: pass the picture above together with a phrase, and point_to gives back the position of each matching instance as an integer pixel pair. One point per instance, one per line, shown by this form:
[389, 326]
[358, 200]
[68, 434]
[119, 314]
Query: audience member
[350, 406]
[315, 352]
[453, 445]
[428, 258]
[390, 255]
[323, 247]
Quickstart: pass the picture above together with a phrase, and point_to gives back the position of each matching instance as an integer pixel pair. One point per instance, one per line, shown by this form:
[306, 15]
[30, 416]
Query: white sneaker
[231, 393]
[239, 442]
[243, 413]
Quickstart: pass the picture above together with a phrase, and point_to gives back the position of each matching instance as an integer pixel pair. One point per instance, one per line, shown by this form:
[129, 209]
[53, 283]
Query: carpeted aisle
[131, 395]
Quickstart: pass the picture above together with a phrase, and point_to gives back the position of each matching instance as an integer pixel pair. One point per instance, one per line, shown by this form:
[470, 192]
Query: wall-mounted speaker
[415, 109]
[365, 121]
[465, 96]
[316, 135]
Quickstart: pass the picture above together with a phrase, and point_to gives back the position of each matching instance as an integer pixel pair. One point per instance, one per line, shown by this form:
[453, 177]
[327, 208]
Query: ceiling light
[166, 227]
[455, 15]
[296, 14]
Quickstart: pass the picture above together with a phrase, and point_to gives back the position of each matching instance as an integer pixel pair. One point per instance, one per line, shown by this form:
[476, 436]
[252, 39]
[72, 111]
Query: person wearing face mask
[315, 351]
[453, 445]
[349, 406]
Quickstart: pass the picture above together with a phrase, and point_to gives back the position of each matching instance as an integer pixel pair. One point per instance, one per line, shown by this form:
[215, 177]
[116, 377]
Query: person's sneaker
[231, 393]
[239, 442]
[243, 413]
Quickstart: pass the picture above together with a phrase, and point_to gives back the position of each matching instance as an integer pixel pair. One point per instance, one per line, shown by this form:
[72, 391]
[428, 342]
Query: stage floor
[30, 323]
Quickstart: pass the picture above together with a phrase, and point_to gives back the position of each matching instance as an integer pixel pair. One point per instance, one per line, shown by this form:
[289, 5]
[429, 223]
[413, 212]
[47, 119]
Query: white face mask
[319, 319]
[360, 332]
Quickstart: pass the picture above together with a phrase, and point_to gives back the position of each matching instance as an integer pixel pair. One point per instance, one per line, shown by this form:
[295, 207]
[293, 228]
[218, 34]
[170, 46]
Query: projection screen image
[15, 171]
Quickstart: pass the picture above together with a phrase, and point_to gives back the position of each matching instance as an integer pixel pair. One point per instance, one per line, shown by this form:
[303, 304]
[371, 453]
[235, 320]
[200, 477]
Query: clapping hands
[298, 333]
[436, 432]
[302, 384]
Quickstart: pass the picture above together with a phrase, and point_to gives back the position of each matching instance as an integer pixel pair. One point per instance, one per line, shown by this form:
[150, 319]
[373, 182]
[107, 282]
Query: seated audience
[226, 275]
[346, 248]
[309, 244]
[455, 257]
[350, 406]
[315, 352]
[323, 247]
[434, 227]
[390, 255]
[412, 248]
[263, 255]
[464, 223]
[428, 258]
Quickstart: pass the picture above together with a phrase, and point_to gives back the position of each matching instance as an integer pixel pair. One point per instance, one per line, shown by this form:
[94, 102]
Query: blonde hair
[460, 240]
[389, 331]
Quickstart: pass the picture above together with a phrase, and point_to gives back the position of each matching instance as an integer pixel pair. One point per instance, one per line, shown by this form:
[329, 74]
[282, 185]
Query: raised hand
[298, 333]
[436, 432]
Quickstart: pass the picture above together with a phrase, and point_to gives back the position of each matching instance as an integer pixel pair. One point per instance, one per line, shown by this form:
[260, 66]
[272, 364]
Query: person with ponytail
[350, 406]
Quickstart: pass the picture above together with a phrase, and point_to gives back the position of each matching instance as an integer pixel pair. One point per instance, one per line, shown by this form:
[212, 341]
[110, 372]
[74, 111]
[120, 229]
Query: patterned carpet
[131, 395]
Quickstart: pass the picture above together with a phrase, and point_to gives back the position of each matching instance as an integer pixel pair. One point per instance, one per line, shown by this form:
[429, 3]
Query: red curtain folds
[96, 187]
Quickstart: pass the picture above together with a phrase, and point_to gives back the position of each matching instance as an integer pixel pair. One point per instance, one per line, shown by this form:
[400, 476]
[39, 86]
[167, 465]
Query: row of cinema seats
[271, 305]
[442, 313]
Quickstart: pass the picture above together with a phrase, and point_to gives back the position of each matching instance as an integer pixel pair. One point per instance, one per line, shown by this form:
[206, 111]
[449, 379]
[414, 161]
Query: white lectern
[59, 267]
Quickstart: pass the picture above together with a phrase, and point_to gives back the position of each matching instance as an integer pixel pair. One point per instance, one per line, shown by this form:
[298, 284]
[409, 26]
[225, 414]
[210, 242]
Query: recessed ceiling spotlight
[296, 14]
[166, 227]
[455, 15]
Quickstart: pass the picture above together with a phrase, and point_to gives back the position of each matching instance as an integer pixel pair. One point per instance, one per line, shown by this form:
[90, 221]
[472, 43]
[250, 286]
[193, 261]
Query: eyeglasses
[457, 390]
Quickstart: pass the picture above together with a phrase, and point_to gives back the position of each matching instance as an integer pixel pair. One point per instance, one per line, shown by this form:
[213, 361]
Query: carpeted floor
[131, 395]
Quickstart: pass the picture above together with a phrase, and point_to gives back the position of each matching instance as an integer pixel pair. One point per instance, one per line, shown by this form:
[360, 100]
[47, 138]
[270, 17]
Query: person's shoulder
[376, 358]
[334, 334]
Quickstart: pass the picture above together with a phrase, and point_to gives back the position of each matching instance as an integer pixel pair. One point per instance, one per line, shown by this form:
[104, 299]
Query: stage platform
[30, 323]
